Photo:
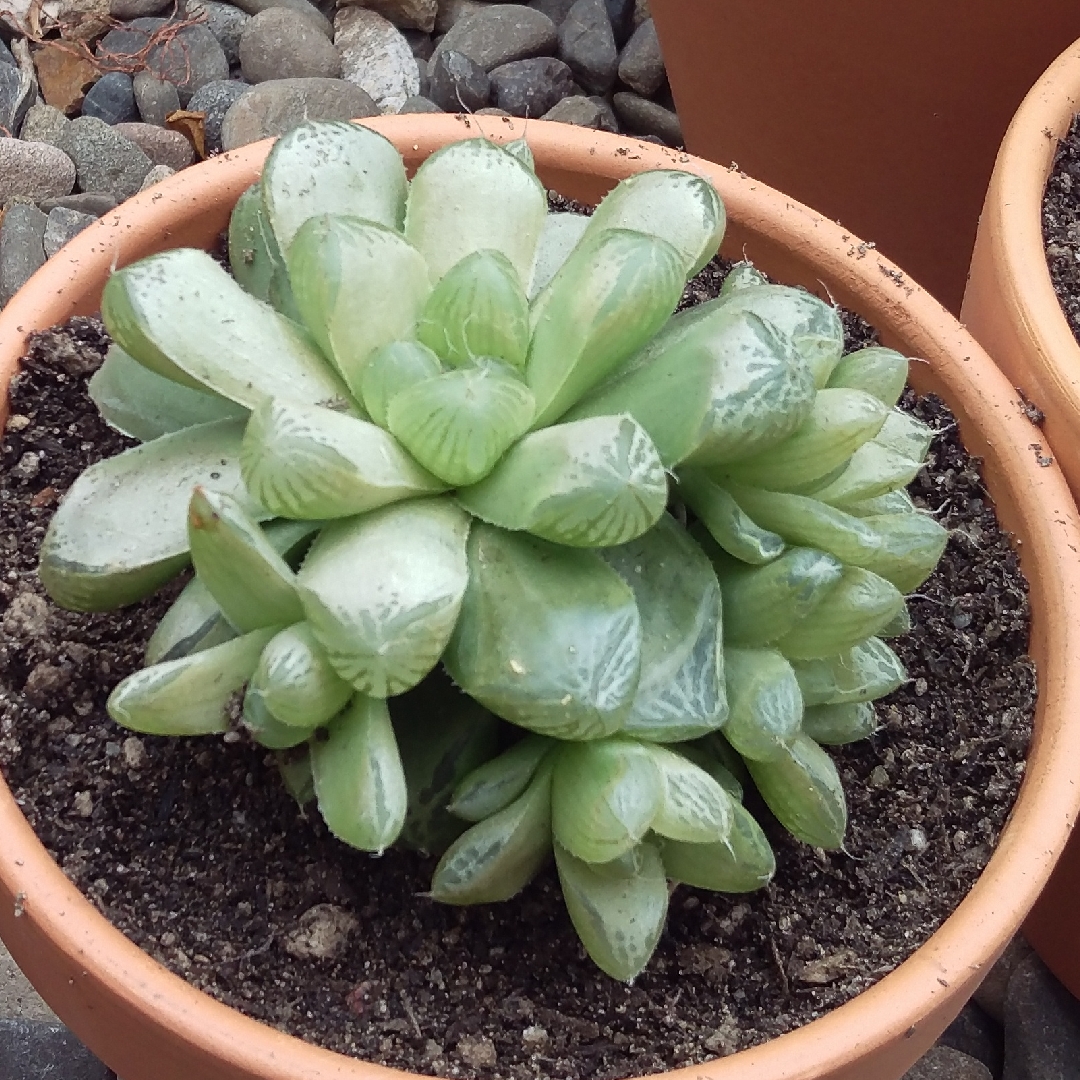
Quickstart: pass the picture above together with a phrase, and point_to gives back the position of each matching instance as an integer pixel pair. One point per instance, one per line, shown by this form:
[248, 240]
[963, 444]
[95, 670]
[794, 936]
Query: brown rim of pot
[148, 1024]
[1010, 306]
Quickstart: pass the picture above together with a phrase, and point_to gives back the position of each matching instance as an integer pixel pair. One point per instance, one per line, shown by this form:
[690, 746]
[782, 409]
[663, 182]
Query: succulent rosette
[430, 428]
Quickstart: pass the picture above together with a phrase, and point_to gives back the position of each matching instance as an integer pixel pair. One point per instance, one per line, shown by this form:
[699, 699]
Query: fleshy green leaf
[193, 622]
[879, 371]
[359, 781]
[478, 309]
[743, 275]
[302, 461]
[864, 672]
[605, 796]
[522, 151]
[725, 520]
[549, 637]
[194, 695]
[591, 483]
[857, 607]
[499, 856]
[385, 627]
[765, 702]
[495, 784]
[618, 910]
[444, 736]
[905, 434]
[710, 387]
[911, 545]
[680, 693]
[839, 423]
[359, 173]
[897, 626]
[873, 471]
[294, 766]
[609, 298]
[558, 238]
[892, 502]
[803, 790]
[121, 530]
[296, 682]
[265, 728]
[140, 403]
[807, 522]
[694, 807]
[675, 206]
[837, 725]
[720, 772]
[251, 582]
[255, 257]
[358, 287]
[474, 196]
[743, 862]
[391, 369]
[458, 424]
[184, 317]
[813, 325]
[762, 603]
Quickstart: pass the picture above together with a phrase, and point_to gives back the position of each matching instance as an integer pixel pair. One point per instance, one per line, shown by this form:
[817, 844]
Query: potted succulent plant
[930, 90]
[305, 450]
[1012, 309]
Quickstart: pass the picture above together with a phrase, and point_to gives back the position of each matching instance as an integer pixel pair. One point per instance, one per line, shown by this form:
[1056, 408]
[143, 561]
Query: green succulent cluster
[432, 423]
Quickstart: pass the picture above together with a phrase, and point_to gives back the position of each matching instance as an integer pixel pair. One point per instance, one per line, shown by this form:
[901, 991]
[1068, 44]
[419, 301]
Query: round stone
[111, 98]
[458, 84]
[531, 87]
[35, 170]
[105, 162]
[500, 33]
[214, 100]
[282, 44]
[376, 57]
[161, 146]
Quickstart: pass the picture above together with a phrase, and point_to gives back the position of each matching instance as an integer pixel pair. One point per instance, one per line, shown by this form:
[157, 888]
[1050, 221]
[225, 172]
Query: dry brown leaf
[192, 125]
[63, 75]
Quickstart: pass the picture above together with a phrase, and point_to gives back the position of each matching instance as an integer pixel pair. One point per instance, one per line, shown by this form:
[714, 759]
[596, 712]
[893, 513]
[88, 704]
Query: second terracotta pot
[884, 116]
[1012, 309]
[148, 1024]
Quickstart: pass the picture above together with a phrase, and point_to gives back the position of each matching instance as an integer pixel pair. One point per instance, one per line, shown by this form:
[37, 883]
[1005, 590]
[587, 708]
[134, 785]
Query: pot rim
[903, 1007]
[1011, 240]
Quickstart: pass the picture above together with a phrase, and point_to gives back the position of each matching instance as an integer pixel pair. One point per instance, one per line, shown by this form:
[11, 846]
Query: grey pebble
[1042, 1026]
[309, 11]
[458, 84]
[418, 104]
[587, 44]
[272, 108]
[944, 1063]
[641, 65]
[85, 202]
[112, 99]
[421, 44]
[226, 23]
[22, 252]
[608, 120]
[555, 10]
[501, 33]
[34, 170]
[621, 14]
[375, 57]
[452, 12]
[105, 162]
[214, 100]
[978, 1035]
[282, 44]
[63, 225]
[135, 9]
[531, 87]
[43, 124]
[582, 111]
[31, 1050]
[156, 175]
[189, 59]
[425, 82]
[155, 98]
[412, 14]
[6, 56]
[990, 996]
[161, 146]
[16, 97]
[643, 117]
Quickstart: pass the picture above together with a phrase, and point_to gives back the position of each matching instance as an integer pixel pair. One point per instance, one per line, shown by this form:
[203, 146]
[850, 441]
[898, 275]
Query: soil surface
[194, 850]
[1061, 225]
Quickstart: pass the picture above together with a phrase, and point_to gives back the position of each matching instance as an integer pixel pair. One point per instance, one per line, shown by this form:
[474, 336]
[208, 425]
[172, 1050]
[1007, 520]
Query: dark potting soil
[1061, 225]
[194, 850]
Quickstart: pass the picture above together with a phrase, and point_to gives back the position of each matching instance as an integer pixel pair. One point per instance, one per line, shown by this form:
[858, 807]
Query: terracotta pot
[884, 116]
[147, 1024]
[1011, 308]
